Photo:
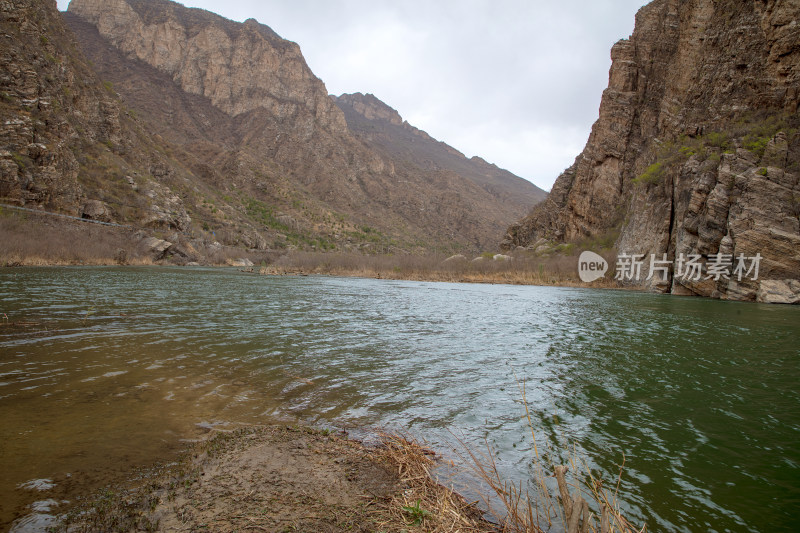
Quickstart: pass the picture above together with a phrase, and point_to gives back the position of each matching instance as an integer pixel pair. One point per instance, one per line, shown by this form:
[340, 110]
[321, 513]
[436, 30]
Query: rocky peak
[238, 67]
[382, 128]
[371, 107]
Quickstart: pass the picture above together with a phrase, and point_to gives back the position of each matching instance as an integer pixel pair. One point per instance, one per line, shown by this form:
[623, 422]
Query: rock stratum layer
[198, 129]
[696, 150]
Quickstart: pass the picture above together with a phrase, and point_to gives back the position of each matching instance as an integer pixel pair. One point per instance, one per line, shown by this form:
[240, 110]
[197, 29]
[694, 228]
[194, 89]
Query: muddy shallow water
[106, 369]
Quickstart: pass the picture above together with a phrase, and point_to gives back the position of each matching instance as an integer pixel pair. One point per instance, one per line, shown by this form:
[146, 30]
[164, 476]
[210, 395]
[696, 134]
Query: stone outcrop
[238, 67]
[696, 150]
[368, 106]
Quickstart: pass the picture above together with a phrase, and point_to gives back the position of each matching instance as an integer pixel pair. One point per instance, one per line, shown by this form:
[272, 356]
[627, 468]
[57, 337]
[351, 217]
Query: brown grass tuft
[424, 504]
[37, 240]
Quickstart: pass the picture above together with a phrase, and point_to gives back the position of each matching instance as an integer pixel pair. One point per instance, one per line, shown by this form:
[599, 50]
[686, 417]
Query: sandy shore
[281, 478]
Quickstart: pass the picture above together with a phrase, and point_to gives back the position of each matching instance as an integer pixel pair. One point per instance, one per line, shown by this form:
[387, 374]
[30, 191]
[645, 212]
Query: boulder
[155, 247]
[95, 210]
[775, 291]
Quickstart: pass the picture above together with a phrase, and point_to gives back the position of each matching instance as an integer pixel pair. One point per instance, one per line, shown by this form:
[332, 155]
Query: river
[103, 370]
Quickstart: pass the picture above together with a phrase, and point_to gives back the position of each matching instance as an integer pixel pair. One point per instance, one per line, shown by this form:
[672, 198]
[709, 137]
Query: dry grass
[425, 504]
[577, 502]
[31, 239]
[527, 270]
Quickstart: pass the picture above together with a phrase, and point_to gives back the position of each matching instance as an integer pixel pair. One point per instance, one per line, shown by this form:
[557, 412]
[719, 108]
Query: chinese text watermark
[689, 267]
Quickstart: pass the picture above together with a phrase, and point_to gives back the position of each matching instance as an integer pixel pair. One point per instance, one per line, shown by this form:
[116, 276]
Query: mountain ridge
[396, 137]
[316, 148]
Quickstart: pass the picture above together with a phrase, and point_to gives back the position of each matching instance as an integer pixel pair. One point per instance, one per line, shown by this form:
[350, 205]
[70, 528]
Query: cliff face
[696, 150]
[238, 67]
[47, 98]
[67, 143]
[250, 120]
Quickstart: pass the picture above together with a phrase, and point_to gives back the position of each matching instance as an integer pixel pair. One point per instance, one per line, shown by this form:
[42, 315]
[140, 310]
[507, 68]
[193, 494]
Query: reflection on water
[105, 369]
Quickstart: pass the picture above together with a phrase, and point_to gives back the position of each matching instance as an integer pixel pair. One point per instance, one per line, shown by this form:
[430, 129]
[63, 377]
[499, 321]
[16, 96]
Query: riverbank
[40, 239]
[284, 478]
[32, 238]
[523, 269]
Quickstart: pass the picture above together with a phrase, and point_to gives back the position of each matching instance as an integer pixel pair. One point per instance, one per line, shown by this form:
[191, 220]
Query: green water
[123, 364]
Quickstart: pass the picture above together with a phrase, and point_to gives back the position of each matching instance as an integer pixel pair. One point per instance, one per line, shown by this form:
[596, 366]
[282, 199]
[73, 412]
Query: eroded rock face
[49, 105]
[371, 108]
[67, 143]
[239, 67]
[696, 150]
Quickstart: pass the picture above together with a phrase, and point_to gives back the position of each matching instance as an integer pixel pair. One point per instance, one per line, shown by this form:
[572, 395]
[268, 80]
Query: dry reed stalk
[441, 509]
[566, 509]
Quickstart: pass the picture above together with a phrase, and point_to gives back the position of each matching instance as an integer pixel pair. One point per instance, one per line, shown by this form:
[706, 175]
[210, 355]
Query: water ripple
[698, 396]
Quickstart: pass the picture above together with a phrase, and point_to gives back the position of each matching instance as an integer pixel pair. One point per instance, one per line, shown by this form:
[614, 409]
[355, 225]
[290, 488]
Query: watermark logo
[591, 266]
[688, 268]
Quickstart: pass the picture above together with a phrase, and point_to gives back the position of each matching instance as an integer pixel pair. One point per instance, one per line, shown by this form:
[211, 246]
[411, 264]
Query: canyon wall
[696, 151]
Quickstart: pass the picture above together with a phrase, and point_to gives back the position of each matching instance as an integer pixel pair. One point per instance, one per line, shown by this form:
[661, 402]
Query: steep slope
[696, 150]
[384, 130]
[252, 118]
[68, 144]
[52, 107]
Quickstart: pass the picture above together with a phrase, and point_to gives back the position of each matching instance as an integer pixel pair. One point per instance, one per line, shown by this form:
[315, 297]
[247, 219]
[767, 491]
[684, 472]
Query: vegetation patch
[264, 214]
[750, 133]
[524, 268]
[756, 134]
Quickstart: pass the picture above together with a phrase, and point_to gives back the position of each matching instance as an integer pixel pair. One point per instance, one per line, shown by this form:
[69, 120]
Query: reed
[578, 501]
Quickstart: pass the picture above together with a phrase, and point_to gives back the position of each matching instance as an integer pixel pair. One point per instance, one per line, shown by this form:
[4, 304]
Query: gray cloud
[517, 82]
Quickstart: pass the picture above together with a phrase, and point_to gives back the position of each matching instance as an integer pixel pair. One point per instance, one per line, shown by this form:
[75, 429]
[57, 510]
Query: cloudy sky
[517, 82]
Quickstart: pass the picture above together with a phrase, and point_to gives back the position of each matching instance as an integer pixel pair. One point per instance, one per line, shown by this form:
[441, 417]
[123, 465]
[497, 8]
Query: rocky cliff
[238, 67]
[49, 107]
[250, 120]
[696, 151]
[68, 143]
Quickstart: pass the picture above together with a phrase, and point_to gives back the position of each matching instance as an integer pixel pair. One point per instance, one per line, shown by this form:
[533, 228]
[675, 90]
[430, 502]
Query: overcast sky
[517, 82]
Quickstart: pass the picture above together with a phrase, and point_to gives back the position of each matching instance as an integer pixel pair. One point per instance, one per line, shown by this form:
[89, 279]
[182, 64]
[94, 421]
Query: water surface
[700, 396]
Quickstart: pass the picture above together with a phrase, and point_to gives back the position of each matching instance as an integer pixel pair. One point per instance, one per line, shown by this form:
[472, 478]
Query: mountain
[62, 127]
[696, 150]
[253, 152]
[384, 130]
